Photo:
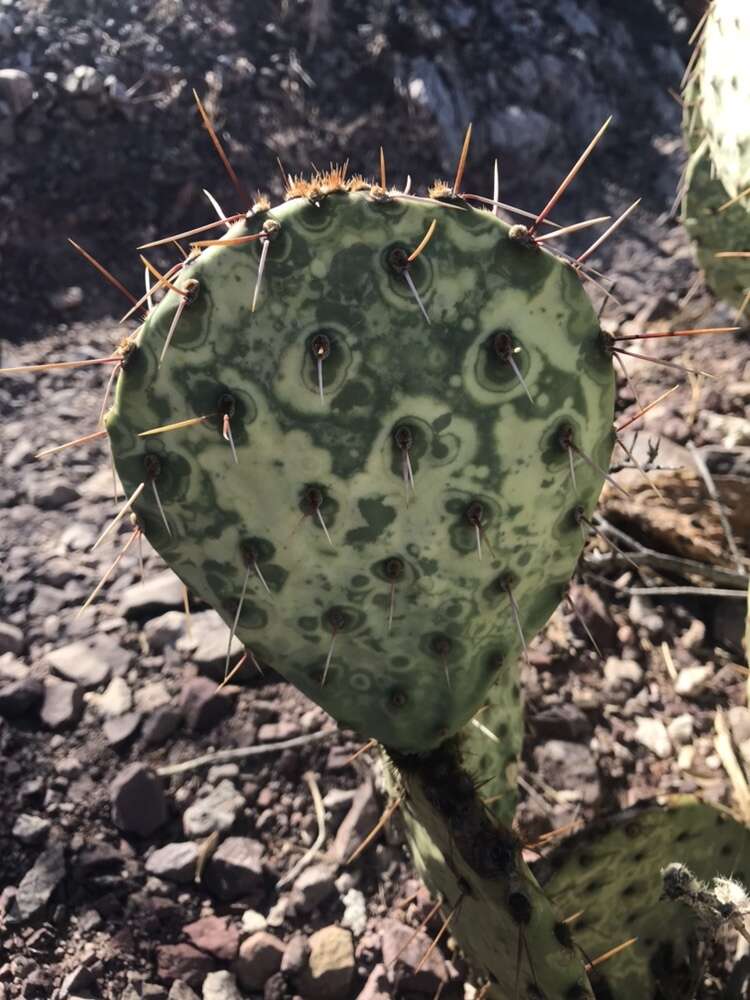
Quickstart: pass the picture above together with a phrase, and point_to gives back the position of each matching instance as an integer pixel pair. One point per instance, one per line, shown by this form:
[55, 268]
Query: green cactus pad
[611, 871]
[500, 917]
[441, 393]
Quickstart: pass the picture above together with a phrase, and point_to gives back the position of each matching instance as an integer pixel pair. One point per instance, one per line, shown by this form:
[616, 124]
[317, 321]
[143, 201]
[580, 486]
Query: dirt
[126, 161]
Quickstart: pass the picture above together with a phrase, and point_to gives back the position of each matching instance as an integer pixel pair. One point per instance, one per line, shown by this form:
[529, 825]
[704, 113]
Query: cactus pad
[320, 506]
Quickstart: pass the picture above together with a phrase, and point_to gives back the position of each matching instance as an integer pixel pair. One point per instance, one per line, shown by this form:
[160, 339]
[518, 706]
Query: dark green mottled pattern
[475, 436]
[611, 872]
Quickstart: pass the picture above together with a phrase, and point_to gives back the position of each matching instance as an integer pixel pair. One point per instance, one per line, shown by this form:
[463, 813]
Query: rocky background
[122, 875]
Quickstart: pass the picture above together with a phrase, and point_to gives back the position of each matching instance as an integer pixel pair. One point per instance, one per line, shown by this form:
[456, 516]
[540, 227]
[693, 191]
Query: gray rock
[314, 886]
[11, 636]
[443, 98]
[208, 642]
[20, 697]
[63, 704]
[622, 674]
[149, 697]
[78, 984]
[181, 991]
[116, 699]
[174, 862]
[235, 869]
[165, 630]
[52, 493]
[203, 706]
[31, 830]
[220, 986]
[361, 818]
[152, 597]
[216, 811]
[118, 731]
[260, 957]
[159, 726]
[138, 801]
[523, 133]
[652, 734]
[569, 767]
[38, 884]
[88, 663]
[16, 90]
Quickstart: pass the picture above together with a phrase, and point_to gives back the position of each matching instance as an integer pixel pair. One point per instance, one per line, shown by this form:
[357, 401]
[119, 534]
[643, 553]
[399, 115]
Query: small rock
[149, 697]
[561, 722]
[84, 81]
[253, 921]
[16, 90]
[79, 983]
[31, 829]
[693, 638]
[355, 912]
[121, 730]
[155, 595]
[680, 730]
[138, 801]
[181, 991]
[686, 758]
[164, 630]
[402, 954]
[183, 962]
[203, 706]
[67, 298]
[331, 965]
[652, 733]
[259, 958]
[174, 862]
[622, 674]
[216, 811]
[38, 884]
[208, 641]
[377, 986]
[235, 869]
[738, 717]
[11, 636]
[63, 704]
[273, 732]
[20, 697]
[361, 818]
[116, 699]
[569, 767]
[296, 954]
[693, 681]
[216, 935]
[52, 493]
[314, 886]
[159, 726]
[83, 662]
[220, 986]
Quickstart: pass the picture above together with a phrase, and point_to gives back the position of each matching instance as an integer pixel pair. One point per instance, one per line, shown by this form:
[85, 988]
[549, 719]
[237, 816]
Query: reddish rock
[236, 868]
[260, 958]
[216, 935]
[183, 961]
[202, 705]
[138, 801]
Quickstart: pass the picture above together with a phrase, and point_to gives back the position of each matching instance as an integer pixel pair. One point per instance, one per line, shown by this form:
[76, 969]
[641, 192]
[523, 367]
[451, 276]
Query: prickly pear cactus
[717, 95]
[394, 416]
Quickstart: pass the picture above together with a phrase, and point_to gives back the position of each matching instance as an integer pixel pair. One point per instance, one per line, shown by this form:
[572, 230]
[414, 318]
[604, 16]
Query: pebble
[20, 697]
[652, 734]
[181, 991]
[296, 954]
[62, 705]
[216, 811]
[259, 958]
[216, 935]
[79, 983]
[253, 921]
[622, 674]
[208, 642]
[11, 636]
[314, 886]
[52, 493]
[116, 699]
[139, 804]
[403, 951]
[160, 725]
[164, 630]
[235, 869]
[680, 730]
[220, 986]
[30, 829]
[569, 767]
[153, 596]
[149, 697]
[16, 90]
[361, 818]
[38, 884]
[85, 662]
[693, 681]
[175, 862]
[184, 962]
[203, 706]
[122, 729]
[355, 912]
[331, 965]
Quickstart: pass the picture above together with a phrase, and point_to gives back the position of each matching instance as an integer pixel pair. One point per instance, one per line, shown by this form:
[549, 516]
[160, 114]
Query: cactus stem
[496, 189]
[607, 233]
[703, 331]
[226, 433]
[644, 410]
[420, 927]
[237, 614]
[572, 229]
[178, 425]
[444, 927]
[264, 245]
[387, 813]
[569, 178]
[116, 520]
[462, 163]
[159, 505]
[136, 532]
[103, 271]
[220, 151]
[222, 220]
[664, 364]
[610, 954]
[70, 444]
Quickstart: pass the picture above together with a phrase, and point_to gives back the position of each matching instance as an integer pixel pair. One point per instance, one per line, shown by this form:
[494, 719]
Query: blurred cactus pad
[397, 444]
